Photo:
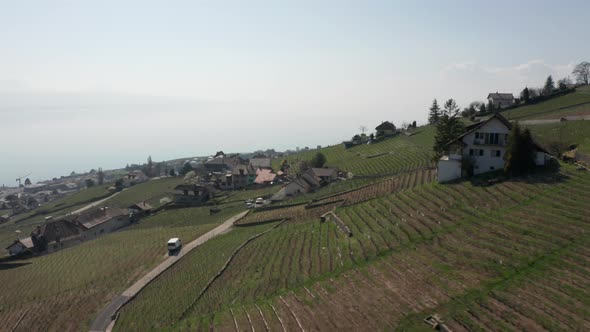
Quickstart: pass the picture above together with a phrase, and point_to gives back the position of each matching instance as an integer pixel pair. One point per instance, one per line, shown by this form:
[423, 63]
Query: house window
[498, 153]
[505, 138]
[471, 152]
[481, 152]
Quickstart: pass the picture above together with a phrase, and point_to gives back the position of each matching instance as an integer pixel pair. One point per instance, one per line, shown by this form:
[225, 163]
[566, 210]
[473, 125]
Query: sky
[88, 84]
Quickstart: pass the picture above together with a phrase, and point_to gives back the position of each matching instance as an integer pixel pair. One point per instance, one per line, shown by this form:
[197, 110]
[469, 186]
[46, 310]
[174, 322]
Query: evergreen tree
[482, 109]
[27, 182]
[448, 127]
[434, 114]
[520, 152]
[185, 169]
[549, 86]
[525, 95]
[318, 160]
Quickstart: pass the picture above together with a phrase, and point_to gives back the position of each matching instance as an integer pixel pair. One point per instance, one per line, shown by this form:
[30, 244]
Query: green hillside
[390, 156]
[429, 248]
[577, 103]
[564, 133]
[79, 281]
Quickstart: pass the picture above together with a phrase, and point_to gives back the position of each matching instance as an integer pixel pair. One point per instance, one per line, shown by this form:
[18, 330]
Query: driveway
[104, 318]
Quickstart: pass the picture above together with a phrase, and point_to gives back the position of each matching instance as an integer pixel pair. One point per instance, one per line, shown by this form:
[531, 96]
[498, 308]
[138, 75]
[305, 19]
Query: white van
[174, 244]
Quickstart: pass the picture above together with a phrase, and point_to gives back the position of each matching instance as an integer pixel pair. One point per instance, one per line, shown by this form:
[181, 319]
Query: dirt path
[104, 318]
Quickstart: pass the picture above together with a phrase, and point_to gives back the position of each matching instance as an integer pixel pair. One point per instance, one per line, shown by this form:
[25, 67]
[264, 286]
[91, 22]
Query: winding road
[104, 320]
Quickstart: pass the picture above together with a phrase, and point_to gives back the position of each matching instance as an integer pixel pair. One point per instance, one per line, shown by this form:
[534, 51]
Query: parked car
[174, 244]
[259, 200]
[249, 205]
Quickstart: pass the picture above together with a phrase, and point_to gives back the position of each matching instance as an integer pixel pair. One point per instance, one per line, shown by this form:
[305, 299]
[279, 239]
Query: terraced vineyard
[457, 250]
[78, 281]
[321, 205]
[395, 155]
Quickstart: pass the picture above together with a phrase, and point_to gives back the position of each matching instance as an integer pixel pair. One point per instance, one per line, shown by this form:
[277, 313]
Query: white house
[484, 144]
[501, 100]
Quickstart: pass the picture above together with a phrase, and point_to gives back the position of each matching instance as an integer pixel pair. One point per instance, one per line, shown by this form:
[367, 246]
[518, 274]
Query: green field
[566, 133]
[569, 104]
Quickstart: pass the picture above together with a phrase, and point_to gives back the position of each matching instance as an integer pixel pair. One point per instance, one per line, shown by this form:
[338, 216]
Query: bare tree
[582, 72]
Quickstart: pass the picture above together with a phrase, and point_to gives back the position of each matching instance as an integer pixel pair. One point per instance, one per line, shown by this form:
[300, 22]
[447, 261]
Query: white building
[501, 100]
[484, 144]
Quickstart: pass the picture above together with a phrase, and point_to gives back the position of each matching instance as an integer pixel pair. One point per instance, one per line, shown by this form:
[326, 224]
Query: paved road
[104, 318]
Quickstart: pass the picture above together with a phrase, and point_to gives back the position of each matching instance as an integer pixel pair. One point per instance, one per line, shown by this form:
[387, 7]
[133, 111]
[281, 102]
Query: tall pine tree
[434, 114]
[549, 86]
[520, 152]
[448, 127]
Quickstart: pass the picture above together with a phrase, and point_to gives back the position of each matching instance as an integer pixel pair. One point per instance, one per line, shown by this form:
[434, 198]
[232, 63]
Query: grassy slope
[78, 281]
[554, 108]
[567, 132]
[401, 153]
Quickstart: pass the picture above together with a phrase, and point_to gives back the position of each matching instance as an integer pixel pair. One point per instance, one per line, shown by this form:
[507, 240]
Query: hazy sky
[87, 84]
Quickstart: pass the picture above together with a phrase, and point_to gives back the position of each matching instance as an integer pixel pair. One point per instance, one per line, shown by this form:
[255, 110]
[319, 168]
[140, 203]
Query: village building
[484, 144]
[140, 209]
[501, 100]
[192, 194]
[264, 163]
[386, 129]
[323, 175]
[134, 177]
[35, 188]
[265, 177]
[223, 163]
[242, 176]
[303, 183]
[100, 221]
[20, 246]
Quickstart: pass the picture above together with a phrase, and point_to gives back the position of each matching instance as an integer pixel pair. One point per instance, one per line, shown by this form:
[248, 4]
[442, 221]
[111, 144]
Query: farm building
[242, 176]
[20, 246]
[265, 176]
[386, 129]
[501, 100]
[323, 175]
[303, 183]
[223, 163]
[140, 209]
[100, 221]
[484, 144]
[133, 178]
[191, 194]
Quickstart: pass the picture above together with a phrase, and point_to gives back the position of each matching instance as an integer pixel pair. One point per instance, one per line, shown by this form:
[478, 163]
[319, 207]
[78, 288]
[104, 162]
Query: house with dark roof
[100, 221]
[140, 209]
[20, 246]
[484, 144]
[323, 175]
[501, 100]
[242, 176]
[192, 194]
[386, 129]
